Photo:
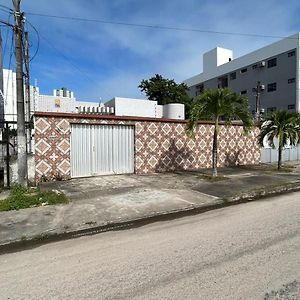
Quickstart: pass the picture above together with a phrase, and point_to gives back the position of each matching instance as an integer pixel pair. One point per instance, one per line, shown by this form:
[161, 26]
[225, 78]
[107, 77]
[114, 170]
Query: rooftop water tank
[173, 111]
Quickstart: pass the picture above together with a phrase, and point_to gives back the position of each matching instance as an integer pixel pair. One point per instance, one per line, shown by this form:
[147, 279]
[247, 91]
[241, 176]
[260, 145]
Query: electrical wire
[6, 37]
[38, 40]
[3, 10]
[158, 26]
[6, 8]
[6, 24]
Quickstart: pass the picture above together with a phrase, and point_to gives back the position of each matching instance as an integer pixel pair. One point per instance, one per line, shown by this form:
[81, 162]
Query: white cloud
[119, 57]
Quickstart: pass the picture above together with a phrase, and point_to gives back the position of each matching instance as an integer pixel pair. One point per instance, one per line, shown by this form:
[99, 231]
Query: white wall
[13, 170]
[62, 104]
[134, 107]
[146, 108]
[88, 103]
[56, 104]
[216, 57]
[10, 98]
[159, 111]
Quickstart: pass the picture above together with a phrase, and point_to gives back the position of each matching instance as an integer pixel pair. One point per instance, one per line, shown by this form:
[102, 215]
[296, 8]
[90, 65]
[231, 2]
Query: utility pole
[27, 87]
[21, 134]
[257, 91]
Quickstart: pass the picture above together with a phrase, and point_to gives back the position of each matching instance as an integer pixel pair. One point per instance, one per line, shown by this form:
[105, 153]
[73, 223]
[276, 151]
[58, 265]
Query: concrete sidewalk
[109, 202]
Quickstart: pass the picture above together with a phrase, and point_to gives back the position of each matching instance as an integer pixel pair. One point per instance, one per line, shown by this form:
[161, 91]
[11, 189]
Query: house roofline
[122, 118]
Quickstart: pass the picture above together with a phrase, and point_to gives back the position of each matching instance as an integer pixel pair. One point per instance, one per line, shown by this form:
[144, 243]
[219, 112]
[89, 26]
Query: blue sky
[100, 61]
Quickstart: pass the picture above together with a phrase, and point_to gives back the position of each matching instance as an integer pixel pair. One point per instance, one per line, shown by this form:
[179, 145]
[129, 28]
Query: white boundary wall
[269, 155]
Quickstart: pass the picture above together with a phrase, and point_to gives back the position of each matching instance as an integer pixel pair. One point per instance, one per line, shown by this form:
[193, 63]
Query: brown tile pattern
[159, 146]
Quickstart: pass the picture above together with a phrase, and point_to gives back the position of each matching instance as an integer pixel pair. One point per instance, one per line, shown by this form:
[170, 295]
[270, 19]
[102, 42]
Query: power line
[6, 8]
[3, 10]
[6, 23]
[6, 37]
[158, 26]
[38, 40]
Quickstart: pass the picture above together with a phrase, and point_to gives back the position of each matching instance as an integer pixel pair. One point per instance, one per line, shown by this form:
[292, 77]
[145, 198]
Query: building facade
[270, 73]
[63, 92]
[62, 100]
[10, 97]
[145, 108]
[80, 145]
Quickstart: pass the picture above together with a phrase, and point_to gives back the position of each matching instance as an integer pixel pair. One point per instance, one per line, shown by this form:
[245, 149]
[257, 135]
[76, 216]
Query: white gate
[101, 149]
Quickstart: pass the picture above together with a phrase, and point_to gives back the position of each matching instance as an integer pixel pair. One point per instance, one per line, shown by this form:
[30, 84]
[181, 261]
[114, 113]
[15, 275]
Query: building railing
[102, 110]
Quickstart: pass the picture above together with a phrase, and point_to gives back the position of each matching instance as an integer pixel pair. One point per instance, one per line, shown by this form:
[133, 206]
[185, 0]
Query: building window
[272, 87]
[291, 80]
[199, 89]
[243, 70]
[232, 76]
[291, 106]
[223, 82]
[244, 92]
[272, 62]
[271, 109]
[292, 53]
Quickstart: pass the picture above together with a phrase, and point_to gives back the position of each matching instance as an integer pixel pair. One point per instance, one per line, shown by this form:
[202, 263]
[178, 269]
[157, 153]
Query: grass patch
[211, 178]
[21, 197]
[284, 169]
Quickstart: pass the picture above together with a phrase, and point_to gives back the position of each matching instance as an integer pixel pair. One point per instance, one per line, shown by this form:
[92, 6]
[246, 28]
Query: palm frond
[283, 125]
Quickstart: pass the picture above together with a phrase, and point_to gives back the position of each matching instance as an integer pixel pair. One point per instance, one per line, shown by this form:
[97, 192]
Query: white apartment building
[62, 100]
[273, 69]
[10, 96]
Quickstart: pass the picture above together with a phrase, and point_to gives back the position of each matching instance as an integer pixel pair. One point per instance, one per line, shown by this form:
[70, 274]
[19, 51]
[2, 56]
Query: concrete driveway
[102, 201]
[187, 186]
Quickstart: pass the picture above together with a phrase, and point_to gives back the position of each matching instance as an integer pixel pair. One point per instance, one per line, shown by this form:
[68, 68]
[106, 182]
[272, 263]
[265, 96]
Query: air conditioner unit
[262, 64]
[262, 87]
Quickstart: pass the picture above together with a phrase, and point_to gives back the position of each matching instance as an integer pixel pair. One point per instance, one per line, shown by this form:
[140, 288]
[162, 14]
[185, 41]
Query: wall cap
[124, 118]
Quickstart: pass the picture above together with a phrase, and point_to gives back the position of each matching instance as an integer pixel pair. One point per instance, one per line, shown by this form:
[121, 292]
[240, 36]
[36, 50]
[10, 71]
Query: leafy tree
[283, 125]
[166, 91]
[216, 105]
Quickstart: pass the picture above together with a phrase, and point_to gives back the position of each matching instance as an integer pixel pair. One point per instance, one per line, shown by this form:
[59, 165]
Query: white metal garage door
[101, 149]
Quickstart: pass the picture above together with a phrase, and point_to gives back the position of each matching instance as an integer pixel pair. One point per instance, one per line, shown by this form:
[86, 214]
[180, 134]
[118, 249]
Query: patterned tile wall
[159, 146]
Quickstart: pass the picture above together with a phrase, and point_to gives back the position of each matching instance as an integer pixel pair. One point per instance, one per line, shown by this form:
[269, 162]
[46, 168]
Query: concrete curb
[267, 192]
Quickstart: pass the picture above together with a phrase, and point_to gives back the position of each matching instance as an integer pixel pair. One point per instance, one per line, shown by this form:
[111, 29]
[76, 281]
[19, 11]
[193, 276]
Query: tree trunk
[215, 152]
[279, 157]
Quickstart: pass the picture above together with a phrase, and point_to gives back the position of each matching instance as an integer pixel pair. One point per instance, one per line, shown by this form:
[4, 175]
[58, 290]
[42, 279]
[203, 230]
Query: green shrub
[21, 197]
[18, 190]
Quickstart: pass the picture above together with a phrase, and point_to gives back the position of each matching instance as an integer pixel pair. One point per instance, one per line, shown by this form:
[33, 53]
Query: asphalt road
[239, 252]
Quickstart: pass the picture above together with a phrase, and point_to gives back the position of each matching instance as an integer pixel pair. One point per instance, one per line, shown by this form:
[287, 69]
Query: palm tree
[283, 125]
[216, 105]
